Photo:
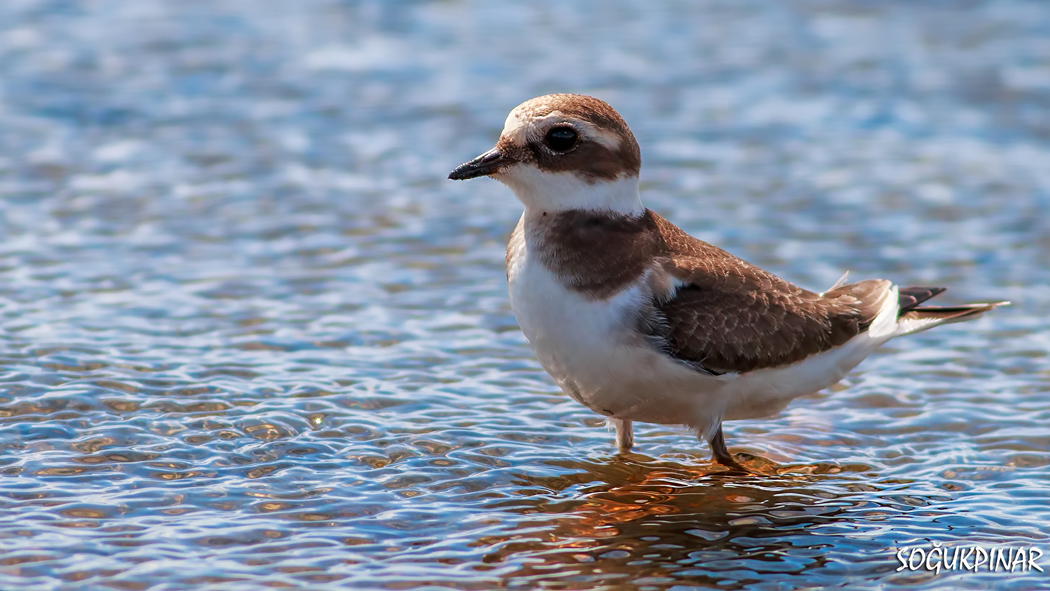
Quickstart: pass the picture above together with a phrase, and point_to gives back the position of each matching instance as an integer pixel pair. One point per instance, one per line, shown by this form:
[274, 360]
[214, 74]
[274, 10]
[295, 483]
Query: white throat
[562, 191]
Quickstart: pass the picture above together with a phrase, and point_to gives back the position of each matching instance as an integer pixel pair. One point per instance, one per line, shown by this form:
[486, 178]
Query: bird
[640, 322]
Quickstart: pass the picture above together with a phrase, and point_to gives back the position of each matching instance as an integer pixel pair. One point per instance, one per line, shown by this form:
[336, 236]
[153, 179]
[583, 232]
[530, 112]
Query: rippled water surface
[251, 337]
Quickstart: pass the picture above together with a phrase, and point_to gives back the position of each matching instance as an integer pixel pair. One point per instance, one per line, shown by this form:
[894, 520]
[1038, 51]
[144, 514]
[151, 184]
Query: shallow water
[251, 337]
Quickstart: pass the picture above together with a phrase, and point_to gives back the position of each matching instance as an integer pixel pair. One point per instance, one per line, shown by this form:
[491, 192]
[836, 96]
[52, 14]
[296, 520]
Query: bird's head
[563, 152]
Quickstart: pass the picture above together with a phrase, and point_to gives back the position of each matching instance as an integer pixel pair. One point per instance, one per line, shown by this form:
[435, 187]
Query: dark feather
[909, 298]
[732, 317]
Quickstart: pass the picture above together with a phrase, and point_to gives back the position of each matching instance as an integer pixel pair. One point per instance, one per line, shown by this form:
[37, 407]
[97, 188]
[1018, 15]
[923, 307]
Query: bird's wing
[728, 316]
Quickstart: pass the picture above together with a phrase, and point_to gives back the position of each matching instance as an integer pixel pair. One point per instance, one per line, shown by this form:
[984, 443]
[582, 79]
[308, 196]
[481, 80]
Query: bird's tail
[920, 318]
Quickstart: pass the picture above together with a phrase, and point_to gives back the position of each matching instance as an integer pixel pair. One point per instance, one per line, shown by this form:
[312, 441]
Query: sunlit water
[251, 337]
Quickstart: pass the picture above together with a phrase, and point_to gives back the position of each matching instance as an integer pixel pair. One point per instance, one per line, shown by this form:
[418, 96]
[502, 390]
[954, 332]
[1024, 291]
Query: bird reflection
[642, 520]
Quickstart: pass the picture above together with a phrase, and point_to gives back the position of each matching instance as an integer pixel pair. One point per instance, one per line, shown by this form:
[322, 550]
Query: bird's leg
[721, 454]
[624, 434]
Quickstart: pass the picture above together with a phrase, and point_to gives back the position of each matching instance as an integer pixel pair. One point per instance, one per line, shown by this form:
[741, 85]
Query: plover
[639, 321]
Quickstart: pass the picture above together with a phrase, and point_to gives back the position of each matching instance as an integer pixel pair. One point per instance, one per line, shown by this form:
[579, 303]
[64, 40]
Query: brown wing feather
[734, 317]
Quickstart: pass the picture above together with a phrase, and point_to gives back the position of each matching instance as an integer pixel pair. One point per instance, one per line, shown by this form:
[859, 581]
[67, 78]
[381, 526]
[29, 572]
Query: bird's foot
[721, 454]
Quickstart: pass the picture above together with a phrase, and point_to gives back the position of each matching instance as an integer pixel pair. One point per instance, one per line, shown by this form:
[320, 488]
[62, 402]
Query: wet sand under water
[251, 337]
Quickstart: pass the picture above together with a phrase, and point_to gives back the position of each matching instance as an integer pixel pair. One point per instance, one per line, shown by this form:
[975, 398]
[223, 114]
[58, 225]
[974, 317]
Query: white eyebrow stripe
[517, 129]
[604, 137]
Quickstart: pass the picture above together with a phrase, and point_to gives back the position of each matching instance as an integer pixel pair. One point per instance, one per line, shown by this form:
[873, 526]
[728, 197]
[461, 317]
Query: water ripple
[250, 337]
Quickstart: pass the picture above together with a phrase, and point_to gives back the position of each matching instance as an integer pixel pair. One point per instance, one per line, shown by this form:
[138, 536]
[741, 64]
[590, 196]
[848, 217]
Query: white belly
[592, 350]
[766, 392]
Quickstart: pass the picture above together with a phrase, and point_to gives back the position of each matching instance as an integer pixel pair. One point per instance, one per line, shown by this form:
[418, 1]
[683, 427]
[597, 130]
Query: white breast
[573, 337]
[593, 351]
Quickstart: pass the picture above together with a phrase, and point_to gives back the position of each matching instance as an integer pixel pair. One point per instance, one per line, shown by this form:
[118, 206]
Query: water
[251, 337]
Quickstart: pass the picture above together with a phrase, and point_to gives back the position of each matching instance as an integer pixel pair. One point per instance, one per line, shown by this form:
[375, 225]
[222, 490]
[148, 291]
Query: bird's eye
[561, 139]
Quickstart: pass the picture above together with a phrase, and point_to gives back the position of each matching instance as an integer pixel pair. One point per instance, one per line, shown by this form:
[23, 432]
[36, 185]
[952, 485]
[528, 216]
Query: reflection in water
[644, 522]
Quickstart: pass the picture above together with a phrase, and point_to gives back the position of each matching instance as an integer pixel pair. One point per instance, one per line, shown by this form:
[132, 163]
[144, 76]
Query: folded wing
[728, 316]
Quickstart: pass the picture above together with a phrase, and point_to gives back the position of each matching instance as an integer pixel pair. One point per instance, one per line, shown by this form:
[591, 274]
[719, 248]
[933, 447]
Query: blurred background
[251, 337]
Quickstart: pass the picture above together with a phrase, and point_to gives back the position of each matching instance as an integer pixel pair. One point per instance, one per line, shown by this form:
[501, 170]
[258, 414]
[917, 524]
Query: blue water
[251, 337]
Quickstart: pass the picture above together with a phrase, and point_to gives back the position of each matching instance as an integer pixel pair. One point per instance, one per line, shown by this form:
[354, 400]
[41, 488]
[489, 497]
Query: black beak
[483, 165]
